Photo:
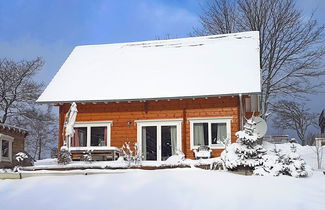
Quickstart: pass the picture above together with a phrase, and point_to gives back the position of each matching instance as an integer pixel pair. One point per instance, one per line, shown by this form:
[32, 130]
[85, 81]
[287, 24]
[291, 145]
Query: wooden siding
[122, 113]
[18, 145]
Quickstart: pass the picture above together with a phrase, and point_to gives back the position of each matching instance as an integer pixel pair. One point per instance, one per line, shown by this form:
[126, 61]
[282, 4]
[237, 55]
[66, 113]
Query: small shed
[12, 141]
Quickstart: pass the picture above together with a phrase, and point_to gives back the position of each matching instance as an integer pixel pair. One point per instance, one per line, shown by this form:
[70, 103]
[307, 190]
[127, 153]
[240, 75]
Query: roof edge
[145, 99]
[172, 40]
[14, 128]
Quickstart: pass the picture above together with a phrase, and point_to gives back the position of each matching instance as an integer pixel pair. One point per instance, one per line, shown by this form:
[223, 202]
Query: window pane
[168, 141]
[149, 142]
[5, 148]
[80, 137]
[98, 136]
[200, 134]
[218, 132]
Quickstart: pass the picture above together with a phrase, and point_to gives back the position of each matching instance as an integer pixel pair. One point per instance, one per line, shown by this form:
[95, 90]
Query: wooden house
[166, 95]
[12, 141]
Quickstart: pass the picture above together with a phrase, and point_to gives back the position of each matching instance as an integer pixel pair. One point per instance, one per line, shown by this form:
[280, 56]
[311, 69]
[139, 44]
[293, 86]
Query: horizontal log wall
[124, 112]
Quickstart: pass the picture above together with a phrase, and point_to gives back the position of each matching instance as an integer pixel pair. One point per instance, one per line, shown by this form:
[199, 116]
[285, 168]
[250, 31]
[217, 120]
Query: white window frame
[210, 120]
[89, 125]
[10, 140]
[159, 123]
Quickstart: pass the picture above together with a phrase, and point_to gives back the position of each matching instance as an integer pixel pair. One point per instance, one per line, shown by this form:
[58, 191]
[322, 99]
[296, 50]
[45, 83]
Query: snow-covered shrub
[176, 159]
[246, 152]
[217, 164]
[273, 164]
[294, 165]
[284, 164]
[87, 156]
[21, 156]
[132, 156]
[22, 159]
[64, 156]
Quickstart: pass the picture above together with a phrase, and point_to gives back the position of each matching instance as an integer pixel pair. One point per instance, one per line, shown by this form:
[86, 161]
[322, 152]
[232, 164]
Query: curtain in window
[105, 137]
[198, 134]
[173, 135]
[144, 143]
[221, 131]
[82, 136]
[75, 141]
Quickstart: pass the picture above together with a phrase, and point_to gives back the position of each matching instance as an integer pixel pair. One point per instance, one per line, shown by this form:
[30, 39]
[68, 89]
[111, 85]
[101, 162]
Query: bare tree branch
[294, 116]
[291, 47]
[17, 86]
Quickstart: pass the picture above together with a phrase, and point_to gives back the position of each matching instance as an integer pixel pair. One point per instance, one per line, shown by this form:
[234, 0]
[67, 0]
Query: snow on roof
[13, 128]
[189, 67]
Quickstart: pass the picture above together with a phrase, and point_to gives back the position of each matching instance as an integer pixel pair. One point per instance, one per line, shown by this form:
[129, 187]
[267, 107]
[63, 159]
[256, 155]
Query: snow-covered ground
[164, 189]
[187, 188]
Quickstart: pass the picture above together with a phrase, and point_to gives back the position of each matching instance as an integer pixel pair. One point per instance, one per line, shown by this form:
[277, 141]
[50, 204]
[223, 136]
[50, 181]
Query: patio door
[159, 140]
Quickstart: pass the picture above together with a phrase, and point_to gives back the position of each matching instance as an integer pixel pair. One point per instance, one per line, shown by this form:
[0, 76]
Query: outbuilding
[12, 140]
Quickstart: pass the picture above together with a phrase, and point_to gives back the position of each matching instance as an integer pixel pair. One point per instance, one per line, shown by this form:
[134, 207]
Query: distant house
[166, 95]
[12, 140]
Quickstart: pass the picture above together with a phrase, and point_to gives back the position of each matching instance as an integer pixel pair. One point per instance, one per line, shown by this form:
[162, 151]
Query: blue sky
[52, 28]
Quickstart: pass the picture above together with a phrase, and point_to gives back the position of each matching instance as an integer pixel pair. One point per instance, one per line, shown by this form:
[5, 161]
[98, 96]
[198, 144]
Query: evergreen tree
[294, 165]
[246, 153]
[284, 164]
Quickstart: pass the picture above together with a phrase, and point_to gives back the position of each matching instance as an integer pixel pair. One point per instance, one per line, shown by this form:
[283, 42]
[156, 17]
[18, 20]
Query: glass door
[159, 142]
[149, 142]
[168, 141]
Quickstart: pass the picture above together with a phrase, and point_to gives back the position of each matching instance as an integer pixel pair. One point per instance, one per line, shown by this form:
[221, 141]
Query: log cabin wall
[124, 113]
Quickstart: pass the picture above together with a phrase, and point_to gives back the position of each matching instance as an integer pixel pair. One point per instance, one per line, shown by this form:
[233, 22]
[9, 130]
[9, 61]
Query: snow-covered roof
[13, 128]
[188, 67]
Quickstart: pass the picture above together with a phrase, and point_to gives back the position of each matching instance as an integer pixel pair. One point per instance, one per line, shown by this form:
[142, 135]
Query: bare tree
[291, 46]
[41, 123]
[319, 151]
[18, 93]
[294, 116]
[17, 88]
[317, 148]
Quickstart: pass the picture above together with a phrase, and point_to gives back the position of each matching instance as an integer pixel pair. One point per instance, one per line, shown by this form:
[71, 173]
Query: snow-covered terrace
[162, 69]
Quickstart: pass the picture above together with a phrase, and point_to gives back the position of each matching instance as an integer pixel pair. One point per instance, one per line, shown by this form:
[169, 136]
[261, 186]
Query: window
[91, 134]
[5, 147]
[98, 136]
[252, 104]
[209, 132]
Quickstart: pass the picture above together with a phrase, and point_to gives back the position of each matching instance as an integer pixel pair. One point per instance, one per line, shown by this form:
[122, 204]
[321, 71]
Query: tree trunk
[40, 149]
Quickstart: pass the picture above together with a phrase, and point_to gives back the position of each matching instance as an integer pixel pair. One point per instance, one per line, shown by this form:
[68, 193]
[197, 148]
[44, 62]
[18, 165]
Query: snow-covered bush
[132, 156]
[64, 156]
[21, 156]
[272, 164]
[246, 152]
[22, 159]
[295, 165]
[176, 159]
[284, 164]
[217, 164]
[87, 156]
